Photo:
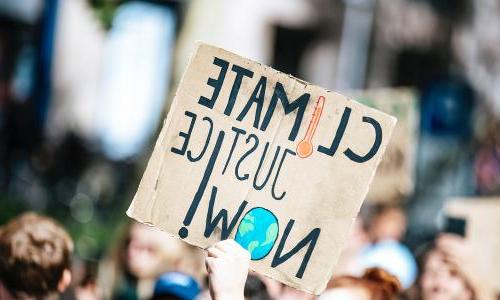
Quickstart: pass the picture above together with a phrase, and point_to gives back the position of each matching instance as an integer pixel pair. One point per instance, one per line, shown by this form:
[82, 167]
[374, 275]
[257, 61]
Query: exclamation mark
[183, 232]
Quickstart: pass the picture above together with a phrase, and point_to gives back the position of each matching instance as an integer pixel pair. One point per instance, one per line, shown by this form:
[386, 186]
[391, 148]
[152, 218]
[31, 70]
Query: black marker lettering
[338, 135]
[207, 141]
[299, 104]
[257, 98]
[183, 232]
[238, 131]
[215, 83]
[262, 158]
[211, 223]
[240, 73]
[376, 144]
[185, 135]
[273, 190]
[236, 169]
[310, 239]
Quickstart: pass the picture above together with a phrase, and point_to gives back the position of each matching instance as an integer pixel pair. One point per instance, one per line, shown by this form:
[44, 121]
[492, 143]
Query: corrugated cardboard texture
[201, 179]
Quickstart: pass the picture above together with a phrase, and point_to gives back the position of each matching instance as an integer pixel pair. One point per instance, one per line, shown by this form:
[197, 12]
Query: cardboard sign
[256, 155]
[482, 233]
[394, 177]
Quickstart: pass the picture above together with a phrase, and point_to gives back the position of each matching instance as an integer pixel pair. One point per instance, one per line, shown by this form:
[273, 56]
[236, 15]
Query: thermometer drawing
[305, 146]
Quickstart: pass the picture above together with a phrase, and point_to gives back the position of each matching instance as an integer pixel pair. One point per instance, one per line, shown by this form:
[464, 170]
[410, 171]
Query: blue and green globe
[257, 232]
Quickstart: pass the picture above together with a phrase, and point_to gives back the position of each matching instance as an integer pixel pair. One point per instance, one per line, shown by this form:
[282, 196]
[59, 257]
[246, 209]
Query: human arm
[227, 266]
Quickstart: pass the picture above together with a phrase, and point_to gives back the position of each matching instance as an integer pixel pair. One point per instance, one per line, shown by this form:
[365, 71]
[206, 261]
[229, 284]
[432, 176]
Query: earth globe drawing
[257, 232]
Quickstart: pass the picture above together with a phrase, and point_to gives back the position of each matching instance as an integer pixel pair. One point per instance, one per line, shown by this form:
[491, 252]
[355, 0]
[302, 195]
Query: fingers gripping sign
[227, 266]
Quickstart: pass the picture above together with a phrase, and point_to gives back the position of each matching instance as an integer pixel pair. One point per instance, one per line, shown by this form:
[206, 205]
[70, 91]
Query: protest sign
[393, 180]
[278, 164]
[482, 233]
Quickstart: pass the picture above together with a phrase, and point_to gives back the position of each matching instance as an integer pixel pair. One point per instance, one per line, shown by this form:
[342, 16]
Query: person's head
[375, 284]
[439, 280]
[141, 253]
[35, 256]
[150, 251]
[385, 221]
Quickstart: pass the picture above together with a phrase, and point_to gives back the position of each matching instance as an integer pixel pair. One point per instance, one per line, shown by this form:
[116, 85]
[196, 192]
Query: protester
[384, 222]
[375, 284]
[394, 258]
[449, 273]
[386, 226]
[141, 257]
[375, 241]
[35, 258]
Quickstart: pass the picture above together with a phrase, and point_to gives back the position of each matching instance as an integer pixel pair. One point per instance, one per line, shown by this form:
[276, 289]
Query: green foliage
[105, 10]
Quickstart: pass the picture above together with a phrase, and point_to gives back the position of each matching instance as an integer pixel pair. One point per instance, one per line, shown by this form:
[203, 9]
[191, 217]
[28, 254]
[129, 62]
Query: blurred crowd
[85, 85]
[146, 263]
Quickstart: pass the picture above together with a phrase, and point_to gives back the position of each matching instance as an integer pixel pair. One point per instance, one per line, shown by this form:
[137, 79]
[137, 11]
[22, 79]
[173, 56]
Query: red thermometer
[305, 146]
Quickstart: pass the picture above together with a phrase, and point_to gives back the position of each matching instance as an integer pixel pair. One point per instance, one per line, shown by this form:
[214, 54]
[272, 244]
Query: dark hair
[34, 252]
[255, 289]
[380, 284]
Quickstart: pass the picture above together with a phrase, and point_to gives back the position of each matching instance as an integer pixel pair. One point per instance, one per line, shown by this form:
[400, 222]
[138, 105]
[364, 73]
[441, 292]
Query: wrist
[230, 296]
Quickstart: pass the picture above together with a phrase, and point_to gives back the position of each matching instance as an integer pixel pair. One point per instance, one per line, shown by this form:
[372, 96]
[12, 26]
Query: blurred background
[85, 85]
